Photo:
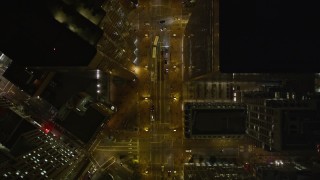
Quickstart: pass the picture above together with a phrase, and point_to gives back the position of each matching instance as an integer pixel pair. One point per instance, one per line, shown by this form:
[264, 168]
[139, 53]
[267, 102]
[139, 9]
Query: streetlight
[98, 74]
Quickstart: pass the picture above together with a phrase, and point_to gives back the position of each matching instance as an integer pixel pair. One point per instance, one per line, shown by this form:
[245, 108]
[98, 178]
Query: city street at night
[159, 90]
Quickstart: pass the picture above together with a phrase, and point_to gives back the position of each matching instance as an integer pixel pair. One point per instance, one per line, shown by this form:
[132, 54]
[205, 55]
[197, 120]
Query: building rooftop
[83, 126]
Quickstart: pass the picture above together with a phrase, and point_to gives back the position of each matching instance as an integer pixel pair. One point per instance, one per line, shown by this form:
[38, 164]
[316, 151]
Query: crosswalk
[108, 151]
[119, 145]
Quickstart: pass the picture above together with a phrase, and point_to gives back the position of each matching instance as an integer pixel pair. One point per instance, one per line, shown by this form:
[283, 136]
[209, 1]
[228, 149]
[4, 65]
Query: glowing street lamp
[98, 74]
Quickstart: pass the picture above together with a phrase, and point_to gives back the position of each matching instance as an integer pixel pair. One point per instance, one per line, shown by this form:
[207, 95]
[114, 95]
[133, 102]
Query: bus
[154, 52]
[155, 42]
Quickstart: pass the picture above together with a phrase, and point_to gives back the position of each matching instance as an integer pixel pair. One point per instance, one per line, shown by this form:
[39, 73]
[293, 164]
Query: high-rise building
[41, 155]
[117, 52]
[53, 143]
[223, 87]
[201, 41]
[252, 41]
[45, 39]
[43, 32]
[92, 39]
[282, 123]
[65, 35]
[83, 125]
[30, 149]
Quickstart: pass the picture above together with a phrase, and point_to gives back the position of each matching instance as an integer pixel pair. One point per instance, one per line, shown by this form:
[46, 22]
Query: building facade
[41, 155]
[282, 123]
[201, 41]
[117, 51]
[67, 35]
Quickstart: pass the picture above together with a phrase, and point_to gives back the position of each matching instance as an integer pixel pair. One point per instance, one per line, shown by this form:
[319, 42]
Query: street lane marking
[111, 150]
[114, 146]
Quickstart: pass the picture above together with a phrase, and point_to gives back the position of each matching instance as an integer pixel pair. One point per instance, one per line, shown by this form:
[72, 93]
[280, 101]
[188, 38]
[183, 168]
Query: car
[163, 28]
[165, 61]
[152, 117]
[166, 71]
[169, 173]
[152, 107]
